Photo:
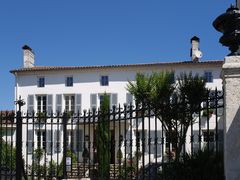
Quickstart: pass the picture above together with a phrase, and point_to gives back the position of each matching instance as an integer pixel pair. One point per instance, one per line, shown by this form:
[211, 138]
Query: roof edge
[54, 68]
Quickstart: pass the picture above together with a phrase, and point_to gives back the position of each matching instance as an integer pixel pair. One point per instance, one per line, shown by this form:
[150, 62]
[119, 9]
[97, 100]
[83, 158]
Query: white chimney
[195, 54]
[28, 57]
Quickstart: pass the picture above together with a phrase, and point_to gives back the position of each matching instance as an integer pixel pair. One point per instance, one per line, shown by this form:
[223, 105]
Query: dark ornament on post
[229, 24]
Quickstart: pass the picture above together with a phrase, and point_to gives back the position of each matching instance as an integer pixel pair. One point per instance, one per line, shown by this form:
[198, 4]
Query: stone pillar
[231, 84]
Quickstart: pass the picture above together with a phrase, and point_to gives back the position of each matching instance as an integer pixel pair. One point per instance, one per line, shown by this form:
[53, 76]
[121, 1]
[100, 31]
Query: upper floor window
[208, 76]
[41, 82]
[104, 80]
[69, 81]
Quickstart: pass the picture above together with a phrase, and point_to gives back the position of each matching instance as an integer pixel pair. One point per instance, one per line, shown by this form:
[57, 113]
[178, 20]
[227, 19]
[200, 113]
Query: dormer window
[69, 81]
[41, 82]
[104, 81]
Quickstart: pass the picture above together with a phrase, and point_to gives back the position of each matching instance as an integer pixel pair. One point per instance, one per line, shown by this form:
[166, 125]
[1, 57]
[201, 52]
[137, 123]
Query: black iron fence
[132, 143]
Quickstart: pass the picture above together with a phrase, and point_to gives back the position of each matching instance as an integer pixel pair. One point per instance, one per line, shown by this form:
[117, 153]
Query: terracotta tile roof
[54, 68]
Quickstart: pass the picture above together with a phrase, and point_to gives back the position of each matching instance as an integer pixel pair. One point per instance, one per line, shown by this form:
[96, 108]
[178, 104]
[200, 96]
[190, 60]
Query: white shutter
[78, 103]
[93, 101]
[49, 141]
[114, 100]
[30, 103]
[59, 103]
[49, 103]
[30, 141]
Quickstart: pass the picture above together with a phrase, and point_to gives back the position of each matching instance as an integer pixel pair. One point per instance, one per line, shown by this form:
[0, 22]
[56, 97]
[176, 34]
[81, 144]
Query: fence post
[64, 123]
[19, 162]
[231, 83]
[19, 158]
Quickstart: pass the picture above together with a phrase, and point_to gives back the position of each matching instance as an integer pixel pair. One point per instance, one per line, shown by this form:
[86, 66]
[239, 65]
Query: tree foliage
[103, 140]
[7, 155]
[172, 103]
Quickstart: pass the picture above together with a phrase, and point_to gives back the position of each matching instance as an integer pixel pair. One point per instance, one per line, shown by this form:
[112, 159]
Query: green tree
[103, 143]
[172, 103]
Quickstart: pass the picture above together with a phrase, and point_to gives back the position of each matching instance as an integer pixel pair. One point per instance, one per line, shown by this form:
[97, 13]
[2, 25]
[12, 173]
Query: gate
[136, 144]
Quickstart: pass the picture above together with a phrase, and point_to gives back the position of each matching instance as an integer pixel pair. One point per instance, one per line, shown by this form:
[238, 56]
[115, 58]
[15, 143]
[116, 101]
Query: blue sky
[101, 32]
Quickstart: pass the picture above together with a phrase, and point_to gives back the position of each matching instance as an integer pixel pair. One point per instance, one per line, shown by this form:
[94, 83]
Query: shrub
[8, 155]
[201, 165]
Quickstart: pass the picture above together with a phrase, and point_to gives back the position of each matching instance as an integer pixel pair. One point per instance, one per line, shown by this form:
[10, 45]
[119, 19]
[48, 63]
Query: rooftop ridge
[50, 68]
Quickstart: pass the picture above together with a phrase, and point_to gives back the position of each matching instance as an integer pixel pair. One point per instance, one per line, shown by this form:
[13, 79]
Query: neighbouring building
[78, 88]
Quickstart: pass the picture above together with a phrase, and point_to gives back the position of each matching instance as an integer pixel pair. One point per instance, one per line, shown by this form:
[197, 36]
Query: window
[69, 81]
[69, 103]
[41, 140]
[104, 81]
[208, 76]
[41, 82]
[41, 103]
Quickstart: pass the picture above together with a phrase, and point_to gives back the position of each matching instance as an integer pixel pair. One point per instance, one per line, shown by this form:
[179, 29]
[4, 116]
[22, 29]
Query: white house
[76, 88]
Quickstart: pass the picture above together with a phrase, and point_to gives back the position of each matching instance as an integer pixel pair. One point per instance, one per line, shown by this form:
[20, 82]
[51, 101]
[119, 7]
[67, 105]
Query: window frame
[43, 107]
[41, 82]
[69, 81]
[71, 103]
[208, 76]
[104, 80]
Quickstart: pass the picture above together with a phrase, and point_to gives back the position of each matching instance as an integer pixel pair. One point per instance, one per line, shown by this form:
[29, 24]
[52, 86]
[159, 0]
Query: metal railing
[48, 145]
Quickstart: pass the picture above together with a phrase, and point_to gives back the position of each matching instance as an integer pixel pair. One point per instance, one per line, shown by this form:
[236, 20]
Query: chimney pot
[28, 57]
[195, 53]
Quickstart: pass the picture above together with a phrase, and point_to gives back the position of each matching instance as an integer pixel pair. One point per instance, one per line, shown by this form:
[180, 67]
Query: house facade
[78, 88]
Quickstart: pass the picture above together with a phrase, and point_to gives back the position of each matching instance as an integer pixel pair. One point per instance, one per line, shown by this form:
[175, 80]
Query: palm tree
[172, 103]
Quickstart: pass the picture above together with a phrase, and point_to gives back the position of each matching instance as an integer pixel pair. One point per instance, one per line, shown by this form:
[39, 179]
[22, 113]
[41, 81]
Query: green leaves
[192, 88]
[103, 139]
[172, 103]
